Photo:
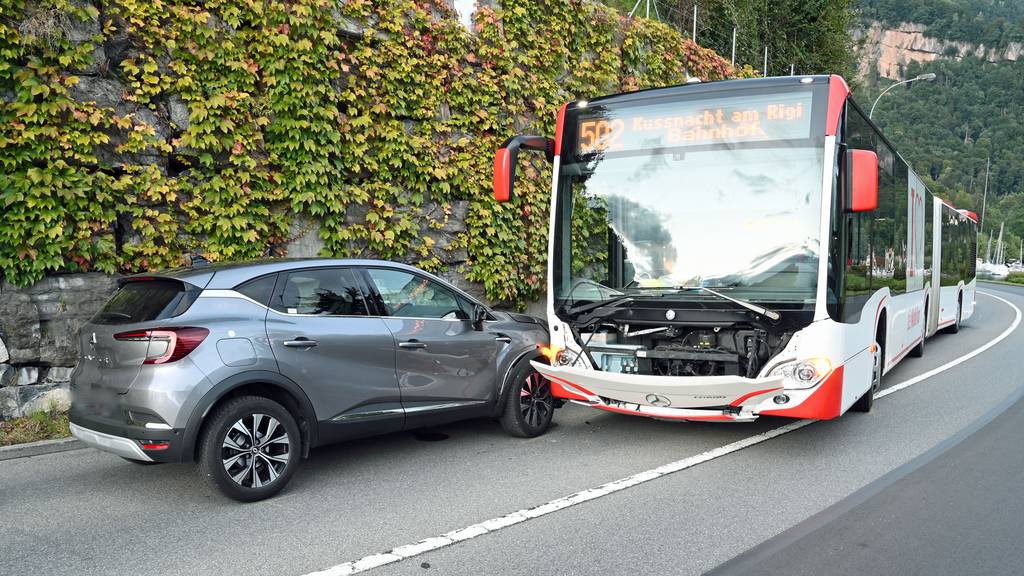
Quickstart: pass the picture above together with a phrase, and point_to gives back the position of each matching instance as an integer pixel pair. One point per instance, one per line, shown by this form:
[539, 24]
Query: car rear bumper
[126, 440]
[711, 398]
[123, 447]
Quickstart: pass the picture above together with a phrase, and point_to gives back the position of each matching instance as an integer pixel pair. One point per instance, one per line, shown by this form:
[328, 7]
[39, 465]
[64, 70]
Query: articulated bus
[720, 251]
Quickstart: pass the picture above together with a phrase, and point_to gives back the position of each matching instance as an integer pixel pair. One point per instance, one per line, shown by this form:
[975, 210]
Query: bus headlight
[557, 356]
[805, 373]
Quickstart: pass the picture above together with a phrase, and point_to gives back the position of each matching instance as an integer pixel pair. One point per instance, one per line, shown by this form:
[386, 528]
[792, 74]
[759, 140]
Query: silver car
[246, 367]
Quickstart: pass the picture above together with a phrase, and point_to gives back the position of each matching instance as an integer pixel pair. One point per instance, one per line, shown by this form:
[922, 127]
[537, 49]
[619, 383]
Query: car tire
[140, 462]
[529, 405]
[250, 448]
[867, 401]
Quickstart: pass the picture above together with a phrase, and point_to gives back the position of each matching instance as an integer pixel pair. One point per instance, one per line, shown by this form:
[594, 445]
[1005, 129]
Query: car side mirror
[861, 180]
[505, 162]
[479, 316]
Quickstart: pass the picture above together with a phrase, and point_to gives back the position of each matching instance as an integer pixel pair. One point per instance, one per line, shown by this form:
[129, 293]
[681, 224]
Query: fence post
[694, 37]
[734, 46]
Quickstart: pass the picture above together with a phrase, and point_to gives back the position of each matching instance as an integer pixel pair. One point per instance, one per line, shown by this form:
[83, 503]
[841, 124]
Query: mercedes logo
[660, 401]
[670, 315]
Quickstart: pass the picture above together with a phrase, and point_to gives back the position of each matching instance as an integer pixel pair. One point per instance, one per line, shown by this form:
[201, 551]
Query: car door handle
[411, 344]
[504, 339]
[300, 343]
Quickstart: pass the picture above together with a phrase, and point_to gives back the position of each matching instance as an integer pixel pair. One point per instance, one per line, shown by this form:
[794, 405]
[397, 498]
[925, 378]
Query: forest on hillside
[805, 37]
[994, 23]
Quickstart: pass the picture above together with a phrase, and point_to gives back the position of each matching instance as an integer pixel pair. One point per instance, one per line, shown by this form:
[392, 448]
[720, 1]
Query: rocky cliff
[889, 50]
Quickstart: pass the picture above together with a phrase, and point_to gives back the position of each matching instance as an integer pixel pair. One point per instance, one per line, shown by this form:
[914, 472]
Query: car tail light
[155, 444]
[178, 342]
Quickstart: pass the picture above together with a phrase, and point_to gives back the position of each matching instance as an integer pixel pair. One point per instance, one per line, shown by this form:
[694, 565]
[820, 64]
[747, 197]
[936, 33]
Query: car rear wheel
[529, 405]
[250, 448]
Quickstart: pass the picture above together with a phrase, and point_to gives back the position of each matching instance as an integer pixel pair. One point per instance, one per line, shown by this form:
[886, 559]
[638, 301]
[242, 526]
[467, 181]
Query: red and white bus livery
[719, 251]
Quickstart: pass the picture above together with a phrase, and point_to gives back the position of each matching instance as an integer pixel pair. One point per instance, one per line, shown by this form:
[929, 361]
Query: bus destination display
[733, 120]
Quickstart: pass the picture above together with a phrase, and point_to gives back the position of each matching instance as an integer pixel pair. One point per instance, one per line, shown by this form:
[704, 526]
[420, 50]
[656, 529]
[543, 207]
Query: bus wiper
[596, 305]
[766, 312]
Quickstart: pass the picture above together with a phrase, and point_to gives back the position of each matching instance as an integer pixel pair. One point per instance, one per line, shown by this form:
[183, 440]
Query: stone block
[44, 397]
[538, 308]
[58, 375]
[4, 356]
[305, 238]
[19, 325]
[59, 342]
[177, 109]
[8, 375]
[457, 216]
[10, 407]
[27, 375]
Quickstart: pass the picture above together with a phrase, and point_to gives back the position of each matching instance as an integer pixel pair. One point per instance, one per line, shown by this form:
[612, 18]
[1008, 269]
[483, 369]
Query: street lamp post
[927, 77]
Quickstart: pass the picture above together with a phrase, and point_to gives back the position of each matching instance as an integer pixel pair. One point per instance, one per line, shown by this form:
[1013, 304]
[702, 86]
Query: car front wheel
[250, 448]
[529, 405]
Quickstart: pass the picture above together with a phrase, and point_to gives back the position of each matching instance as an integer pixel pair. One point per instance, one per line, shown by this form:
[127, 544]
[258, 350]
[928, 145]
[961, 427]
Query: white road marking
[495, 524]
[961, 359]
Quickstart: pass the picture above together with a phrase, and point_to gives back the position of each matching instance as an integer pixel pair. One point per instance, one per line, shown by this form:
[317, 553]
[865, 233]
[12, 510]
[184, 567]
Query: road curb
[39, 448]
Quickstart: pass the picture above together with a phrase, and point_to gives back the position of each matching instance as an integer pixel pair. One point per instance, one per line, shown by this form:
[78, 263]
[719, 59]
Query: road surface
[927, 479]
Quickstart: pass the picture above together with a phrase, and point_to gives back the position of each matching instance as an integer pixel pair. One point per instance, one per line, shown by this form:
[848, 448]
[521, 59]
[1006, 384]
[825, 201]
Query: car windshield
[740, 215]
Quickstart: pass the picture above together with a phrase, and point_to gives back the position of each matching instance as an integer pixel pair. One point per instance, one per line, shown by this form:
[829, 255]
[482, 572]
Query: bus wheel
[918, 351]
[865, 402]
[959, 309]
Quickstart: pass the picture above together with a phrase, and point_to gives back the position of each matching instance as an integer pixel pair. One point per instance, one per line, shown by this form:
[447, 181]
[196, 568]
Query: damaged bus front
[689, 268]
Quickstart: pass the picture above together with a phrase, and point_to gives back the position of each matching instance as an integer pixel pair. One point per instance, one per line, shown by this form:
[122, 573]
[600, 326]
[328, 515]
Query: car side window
[259, 289]
[322, 292]
[411, 296]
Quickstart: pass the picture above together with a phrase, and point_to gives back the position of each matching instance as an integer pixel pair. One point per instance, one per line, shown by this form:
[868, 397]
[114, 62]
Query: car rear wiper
[766, 312]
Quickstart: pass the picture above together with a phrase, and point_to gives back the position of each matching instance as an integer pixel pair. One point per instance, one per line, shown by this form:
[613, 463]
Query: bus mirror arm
[505, 159]
[861, 180]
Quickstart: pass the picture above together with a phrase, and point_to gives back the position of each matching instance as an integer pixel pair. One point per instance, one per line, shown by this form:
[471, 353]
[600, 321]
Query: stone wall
[38, 338]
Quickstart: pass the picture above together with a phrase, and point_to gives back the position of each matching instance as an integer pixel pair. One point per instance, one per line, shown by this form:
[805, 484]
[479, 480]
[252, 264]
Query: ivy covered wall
[135, 132]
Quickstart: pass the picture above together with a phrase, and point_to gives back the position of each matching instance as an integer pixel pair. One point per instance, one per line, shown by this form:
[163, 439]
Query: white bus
[724, 250]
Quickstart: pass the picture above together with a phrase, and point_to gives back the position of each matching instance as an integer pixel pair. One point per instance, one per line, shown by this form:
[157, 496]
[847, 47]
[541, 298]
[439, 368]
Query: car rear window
[148, 300]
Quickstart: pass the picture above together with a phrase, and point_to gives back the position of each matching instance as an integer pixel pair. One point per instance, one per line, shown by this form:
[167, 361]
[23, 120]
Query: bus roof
[717, 86]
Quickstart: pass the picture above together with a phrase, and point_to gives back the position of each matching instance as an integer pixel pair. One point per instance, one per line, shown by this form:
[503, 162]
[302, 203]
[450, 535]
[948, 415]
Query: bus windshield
[653, 212]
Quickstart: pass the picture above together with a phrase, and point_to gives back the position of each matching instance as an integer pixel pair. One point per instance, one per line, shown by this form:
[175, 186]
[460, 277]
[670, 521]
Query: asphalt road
[802, 501]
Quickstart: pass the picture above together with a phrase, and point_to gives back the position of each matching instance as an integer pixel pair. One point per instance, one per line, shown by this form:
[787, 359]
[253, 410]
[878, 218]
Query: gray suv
[246, 367]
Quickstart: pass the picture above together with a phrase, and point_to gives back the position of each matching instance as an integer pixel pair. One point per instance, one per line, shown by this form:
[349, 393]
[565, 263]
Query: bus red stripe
[741, 399]
[837, 93]
[559, 126]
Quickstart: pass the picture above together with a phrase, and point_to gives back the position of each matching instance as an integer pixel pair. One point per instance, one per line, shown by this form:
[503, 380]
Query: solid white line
[495, 524]
[961, 359]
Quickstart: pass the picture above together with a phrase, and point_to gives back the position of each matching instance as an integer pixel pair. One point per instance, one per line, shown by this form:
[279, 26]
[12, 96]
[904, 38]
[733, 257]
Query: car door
[326, 338]
[443, 364]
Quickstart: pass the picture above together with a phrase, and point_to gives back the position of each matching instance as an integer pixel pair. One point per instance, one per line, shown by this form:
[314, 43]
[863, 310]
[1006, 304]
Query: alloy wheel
[535, 401]
[256, 450]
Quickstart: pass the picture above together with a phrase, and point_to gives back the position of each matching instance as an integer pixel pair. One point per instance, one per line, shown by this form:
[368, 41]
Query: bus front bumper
[711, 398]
